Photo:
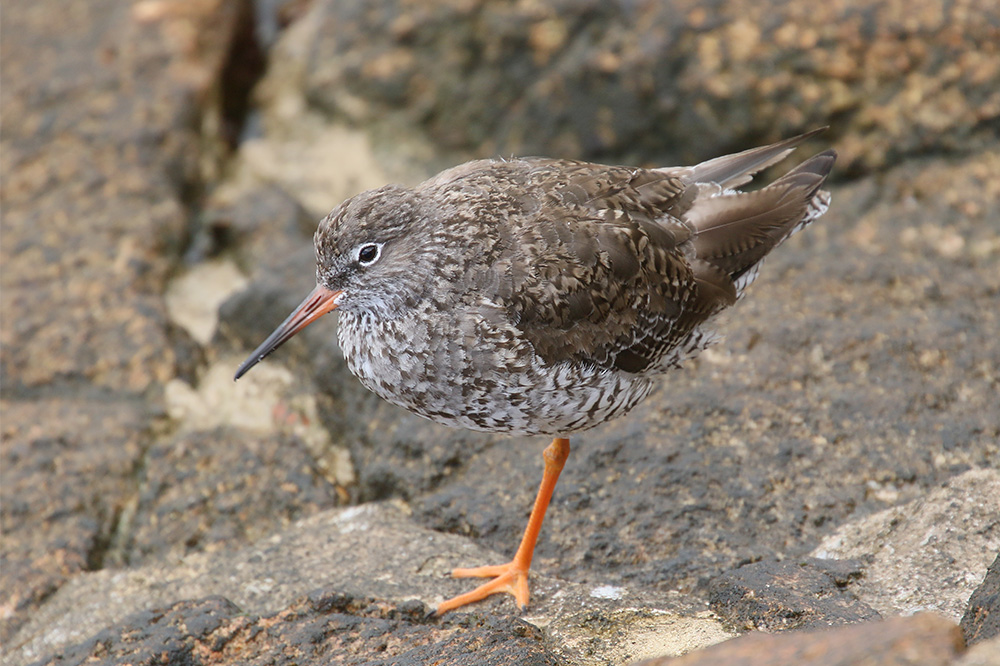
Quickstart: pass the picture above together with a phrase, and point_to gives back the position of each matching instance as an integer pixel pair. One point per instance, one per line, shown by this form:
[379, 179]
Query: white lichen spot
[608, 592]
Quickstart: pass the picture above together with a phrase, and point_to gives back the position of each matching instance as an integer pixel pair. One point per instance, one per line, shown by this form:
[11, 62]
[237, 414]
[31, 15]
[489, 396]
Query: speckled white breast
[462, 372]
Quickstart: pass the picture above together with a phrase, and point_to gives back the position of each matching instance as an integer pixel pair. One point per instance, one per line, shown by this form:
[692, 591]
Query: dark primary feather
[731, 171]
[619, 266]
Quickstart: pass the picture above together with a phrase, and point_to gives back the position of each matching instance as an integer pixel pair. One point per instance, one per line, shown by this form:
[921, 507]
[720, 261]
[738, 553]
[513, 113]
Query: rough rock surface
[667, 81]
[981, 621]
[921, 640]
[368, 554]
[804, 594]
[859, 375]
[325, 627]
[96, 159]
[950, 535]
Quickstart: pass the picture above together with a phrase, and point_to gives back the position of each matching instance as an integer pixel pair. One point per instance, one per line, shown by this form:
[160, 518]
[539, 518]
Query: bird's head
[366, 253]
[367, 250]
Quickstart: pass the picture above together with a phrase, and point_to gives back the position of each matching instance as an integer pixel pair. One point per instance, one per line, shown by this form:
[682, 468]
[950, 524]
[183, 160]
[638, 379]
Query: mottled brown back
[619, 267]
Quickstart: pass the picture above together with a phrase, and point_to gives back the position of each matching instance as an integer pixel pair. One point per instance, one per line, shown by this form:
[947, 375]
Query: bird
[540, 296]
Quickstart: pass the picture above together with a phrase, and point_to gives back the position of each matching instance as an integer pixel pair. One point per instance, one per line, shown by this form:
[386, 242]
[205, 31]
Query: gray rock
[371, 552]
[211, 490]
[859, 375]
[802, 594]
[66, 477]
[328, 627]
[928, 554]
[649, 81]
[95, 156]
[981, 621]
[99, 145]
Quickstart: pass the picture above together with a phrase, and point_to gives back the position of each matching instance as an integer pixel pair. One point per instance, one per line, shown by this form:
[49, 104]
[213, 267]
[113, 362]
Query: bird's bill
[320, 301]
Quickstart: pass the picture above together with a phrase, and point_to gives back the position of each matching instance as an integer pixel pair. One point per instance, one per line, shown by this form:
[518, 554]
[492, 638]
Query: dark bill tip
[320, 301]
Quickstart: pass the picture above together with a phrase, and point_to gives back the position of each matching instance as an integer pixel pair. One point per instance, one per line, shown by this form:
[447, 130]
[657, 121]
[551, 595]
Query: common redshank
[542, 296]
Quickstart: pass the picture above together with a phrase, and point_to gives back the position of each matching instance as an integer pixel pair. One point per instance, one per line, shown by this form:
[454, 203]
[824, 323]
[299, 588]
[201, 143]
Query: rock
[664, 82]
[804, 594]
[67, 475]
[306, 159]
[101, 139]
[193, 299]
[860, 375]
[922, 640]
[981, 621]
[257, 221]
[102, 103]
[929, 554]
[372, 555]
[219, 489]
[323, 627]
[985, 653]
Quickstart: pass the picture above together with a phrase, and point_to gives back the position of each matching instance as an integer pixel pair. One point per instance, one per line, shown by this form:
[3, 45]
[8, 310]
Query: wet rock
[981, 621]
[802, 594]
[921, 640]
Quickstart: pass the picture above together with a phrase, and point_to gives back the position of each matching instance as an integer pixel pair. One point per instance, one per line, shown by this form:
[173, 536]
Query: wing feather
[619, 267]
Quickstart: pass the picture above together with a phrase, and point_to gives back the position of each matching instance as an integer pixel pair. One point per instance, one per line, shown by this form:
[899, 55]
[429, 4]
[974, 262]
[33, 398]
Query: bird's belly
[496, 385]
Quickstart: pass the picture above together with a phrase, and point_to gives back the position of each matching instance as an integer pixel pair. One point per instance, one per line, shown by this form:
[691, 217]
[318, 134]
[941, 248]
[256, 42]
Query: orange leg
[513, 576]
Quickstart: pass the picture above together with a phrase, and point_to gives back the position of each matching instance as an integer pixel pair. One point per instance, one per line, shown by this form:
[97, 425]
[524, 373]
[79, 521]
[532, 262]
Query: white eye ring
[367, 254]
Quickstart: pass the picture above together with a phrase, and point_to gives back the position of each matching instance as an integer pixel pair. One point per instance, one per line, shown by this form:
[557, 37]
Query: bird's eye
[369, 253]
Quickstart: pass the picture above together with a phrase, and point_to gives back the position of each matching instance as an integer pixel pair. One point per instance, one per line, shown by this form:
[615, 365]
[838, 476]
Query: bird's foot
[511, 578]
